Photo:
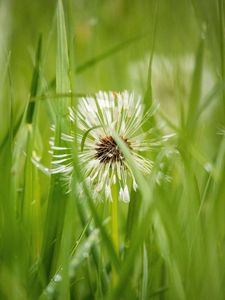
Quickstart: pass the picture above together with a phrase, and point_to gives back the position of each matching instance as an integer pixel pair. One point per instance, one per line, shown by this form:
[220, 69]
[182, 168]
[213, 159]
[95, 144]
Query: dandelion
[101, 160]
[98, 119]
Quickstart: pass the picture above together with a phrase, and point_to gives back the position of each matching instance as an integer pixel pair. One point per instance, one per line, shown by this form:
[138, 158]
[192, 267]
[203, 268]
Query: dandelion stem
[114, 226]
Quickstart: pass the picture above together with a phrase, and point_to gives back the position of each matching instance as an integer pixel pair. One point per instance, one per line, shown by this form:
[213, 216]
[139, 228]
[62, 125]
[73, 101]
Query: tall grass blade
[57, 199]
[195, 93]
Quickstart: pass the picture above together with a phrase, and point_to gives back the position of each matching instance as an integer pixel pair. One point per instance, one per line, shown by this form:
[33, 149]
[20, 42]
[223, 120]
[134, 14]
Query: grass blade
[195, 92]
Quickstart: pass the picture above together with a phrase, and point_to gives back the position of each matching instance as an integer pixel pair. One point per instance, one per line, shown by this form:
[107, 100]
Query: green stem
[114, 226]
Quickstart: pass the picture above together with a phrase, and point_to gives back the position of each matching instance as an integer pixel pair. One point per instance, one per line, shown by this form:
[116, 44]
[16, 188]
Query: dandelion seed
[102, 161]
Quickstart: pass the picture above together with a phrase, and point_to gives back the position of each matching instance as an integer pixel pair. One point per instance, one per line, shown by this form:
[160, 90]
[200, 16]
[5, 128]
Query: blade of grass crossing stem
[57, 199]
[143, 185]
[139, 230]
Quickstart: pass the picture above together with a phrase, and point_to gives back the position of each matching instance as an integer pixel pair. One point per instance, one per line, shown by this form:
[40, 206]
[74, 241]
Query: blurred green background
[171, 53]
[102, 26]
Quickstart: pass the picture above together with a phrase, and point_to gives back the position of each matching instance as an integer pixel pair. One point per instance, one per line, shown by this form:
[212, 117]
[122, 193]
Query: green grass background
[55, 245]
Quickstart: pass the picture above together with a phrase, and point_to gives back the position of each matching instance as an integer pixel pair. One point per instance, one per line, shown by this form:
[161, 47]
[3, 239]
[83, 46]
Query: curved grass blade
[195, 92]
[85, 136]
[89, 63]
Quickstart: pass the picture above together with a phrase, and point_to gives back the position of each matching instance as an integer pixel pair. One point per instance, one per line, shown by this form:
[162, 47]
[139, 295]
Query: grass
[58, 245]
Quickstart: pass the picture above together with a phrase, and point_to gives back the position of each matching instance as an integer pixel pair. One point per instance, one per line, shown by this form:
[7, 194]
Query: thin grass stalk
[114, 227]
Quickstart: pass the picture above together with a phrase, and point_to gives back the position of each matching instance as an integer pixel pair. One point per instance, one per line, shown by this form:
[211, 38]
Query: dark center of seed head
[107, 150]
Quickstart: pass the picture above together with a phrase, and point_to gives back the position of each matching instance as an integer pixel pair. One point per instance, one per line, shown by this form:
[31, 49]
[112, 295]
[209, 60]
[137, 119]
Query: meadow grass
[57, 244]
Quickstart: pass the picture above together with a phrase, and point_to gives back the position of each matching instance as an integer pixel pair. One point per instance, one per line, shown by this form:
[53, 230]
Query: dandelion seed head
[107, 150]
[101, 159]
